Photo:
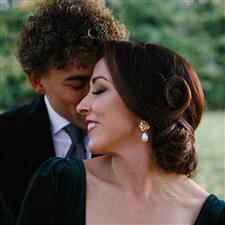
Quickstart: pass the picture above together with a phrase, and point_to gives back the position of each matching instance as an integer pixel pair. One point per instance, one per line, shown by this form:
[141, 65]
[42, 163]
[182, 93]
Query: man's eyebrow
[93, 80]
[78, 77]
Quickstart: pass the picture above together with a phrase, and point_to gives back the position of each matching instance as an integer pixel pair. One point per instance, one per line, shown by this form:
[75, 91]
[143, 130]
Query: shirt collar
[57, 121]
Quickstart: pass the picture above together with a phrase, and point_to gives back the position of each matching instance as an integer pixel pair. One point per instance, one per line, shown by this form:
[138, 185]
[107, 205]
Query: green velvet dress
[56, 196]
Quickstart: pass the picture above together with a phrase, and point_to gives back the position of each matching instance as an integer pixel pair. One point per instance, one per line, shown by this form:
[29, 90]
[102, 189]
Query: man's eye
[79, 86]
[97, 92]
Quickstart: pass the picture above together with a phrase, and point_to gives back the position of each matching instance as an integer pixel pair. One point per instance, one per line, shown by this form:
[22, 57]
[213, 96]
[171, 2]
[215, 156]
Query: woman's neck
[134, 169]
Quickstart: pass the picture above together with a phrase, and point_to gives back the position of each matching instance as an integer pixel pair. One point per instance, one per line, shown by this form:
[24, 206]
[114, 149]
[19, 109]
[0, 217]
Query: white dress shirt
[61, 139]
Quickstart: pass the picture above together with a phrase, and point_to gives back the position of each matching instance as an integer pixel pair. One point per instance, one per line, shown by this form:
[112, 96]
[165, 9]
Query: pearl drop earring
[144, 127]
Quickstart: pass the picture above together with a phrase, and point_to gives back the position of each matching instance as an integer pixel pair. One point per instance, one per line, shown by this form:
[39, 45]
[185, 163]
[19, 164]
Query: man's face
[65, 89]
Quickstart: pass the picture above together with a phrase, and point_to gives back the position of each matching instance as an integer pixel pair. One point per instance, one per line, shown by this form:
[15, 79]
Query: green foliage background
[195, 29]
[14, 88]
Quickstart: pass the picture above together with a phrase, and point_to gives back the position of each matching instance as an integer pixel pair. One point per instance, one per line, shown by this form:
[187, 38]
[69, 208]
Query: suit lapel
[37, 133]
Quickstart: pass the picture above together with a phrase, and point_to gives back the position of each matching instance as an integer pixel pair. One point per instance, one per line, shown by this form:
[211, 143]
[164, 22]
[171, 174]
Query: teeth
[91, 125]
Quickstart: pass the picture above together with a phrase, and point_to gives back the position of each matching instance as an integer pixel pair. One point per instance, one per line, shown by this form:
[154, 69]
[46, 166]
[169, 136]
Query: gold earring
[144, 127]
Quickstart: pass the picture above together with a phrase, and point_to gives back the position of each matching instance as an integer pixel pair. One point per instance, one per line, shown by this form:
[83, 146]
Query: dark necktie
[76, 149]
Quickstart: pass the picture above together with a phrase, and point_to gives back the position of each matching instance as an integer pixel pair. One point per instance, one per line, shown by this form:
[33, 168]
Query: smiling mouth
[91, 126]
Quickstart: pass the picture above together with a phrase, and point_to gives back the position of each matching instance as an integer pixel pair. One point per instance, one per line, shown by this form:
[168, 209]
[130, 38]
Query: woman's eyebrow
[93, 80]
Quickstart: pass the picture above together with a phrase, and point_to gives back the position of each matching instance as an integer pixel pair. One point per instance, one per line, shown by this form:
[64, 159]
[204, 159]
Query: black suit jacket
[26, 142]
[6, 217]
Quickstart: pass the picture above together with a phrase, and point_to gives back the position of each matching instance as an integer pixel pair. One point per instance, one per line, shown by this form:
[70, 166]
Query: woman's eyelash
[97, 92]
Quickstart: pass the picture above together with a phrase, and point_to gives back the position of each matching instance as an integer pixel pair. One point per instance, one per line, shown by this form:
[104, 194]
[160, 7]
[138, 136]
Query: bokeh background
[193, 28]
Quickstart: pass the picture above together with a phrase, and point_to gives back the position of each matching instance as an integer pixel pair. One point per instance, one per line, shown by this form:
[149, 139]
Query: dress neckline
[210, 210]
[201, 215]
[204, 208]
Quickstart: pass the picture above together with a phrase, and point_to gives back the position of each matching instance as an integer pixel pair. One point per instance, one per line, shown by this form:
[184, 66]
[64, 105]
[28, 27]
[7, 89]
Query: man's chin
[80, 124]
[83, 126]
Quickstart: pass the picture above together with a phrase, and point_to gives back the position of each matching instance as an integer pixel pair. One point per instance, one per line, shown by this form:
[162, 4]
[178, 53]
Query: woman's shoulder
[212, 212]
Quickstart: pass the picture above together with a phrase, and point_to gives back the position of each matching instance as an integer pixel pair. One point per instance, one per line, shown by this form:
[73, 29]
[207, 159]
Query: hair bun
[177, 93]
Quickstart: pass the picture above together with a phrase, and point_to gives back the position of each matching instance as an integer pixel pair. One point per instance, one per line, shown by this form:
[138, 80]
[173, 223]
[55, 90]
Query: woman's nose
[82, 107]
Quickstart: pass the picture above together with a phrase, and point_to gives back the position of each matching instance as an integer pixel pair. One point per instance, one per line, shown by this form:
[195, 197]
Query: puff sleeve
[55, 195]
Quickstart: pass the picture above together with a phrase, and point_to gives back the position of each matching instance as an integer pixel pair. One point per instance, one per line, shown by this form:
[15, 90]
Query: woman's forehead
[101, 69]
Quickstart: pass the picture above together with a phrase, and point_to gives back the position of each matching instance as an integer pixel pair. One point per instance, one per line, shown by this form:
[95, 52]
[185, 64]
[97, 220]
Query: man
[57, 48]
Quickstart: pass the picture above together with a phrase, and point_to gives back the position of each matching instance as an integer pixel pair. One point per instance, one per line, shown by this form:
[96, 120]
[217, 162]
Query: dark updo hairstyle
[160, 87]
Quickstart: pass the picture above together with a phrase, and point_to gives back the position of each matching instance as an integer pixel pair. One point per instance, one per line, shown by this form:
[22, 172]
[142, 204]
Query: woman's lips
[91, 126]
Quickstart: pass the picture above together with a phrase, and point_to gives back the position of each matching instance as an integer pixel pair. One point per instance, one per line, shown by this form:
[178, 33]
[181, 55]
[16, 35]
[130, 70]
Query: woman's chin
[94, 150]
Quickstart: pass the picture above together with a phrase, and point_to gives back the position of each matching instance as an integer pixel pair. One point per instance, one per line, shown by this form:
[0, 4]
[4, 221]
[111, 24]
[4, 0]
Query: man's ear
[36, 83]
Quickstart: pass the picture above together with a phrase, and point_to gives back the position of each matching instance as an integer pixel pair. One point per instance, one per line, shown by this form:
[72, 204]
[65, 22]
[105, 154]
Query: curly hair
[160, 87]
[64, 30]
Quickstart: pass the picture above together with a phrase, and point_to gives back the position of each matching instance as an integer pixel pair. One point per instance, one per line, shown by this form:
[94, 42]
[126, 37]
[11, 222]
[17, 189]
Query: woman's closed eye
[99, 86]
[97, 92]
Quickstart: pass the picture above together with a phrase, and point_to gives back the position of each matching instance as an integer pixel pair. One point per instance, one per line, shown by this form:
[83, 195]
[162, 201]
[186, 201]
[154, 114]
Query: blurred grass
[210, 145]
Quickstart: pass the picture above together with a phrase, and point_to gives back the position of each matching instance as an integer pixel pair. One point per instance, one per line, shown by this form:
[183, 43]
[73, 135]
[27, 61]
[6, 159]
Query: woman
[143, 107]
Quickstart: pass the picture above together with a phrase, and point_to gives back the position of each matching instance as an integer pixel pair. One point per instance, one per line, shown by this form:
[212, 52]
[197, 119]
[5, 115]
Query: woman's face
[110, 123]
